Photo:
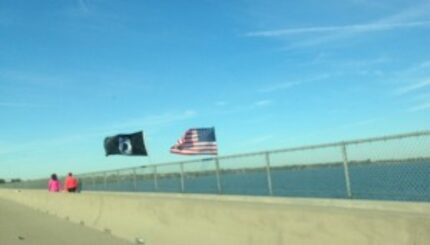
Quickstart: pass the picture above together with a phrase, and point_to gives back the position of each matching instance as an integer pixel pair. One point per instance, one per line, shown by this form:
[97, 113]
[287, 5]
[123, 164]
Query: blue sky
[265, 74]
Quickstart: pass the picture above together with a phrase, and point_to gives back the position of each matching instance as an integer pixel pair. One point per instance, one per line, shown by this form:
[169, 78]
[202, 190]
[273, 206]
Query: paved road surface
[20, 225]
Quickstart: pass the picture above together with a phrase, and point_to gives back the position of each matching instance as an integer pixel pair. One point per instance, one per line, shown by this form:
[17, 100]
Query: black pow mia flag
[125, 144]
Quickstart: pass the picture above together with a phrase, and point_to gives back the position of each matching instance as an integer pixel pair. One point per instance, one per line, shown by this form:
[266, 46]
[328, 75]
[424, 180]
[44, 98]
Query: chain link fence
[395, 167]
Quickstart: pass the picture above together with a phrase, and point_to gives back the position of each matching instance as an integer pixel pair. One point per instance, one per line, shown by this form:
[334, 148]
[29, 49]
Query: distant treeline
[3, 181]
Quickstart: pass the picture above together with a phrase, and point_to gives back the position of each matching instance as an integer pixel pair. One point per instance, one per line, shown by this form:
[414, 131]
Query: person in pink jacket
[54, 184]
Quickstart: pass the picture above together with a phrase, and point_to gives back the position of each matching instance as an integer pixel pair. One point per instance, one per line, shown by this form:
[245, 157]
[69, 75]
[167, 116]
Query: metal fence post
[218, 176]
[93, 178]
[134, 179]
[346, 171]
[182, 177]
[118, 180]
[269, 175]
[105, 181]
[155, 178]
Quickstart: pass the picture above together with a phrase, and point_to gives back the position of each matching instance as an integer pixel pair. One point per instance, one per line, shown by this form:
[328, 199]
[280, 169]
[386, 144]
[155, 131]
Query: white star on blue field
[265, 74]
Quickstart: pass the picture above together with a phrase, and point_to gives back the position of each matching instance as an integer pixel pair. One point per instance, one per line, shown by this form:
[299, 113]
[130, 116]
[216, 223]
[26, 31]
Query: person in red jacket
[71, 183]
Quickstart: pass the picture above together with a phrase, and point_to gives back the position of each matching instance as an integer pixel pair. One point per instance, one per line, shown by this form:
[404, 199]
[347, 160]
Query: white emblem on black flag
[125, 144]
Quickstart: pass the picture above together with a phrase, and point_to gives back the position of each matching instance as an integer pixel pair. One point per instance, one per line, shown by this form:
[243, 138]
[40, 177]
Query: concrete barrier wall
[202, 219]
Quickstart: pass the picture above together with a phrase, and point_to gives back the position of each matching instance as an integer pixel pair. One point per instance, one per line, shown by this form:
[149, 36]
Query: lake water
[400, 181]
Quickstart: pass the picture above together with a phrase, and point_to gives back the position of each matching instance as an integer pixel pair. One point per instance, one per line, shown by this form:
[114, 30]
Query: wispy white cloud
[221, 103]
[415, 68]
[240, 108]
[415, 17]
[151, 121]
[325, 58]
[366, 62]
[369, 3]
[287, 85]
[413, 78]
[421, 107]
[361, 28]
[422, 97]
[279, 86]
[262, 103]
[361, 123]
[91, 15]
[46, 144]
[260, 139]
[21, 105]
[28, 78]
[424, 64]
[374, 73]
[413, 87]
[371, 67]
[189, 113]
[83, 6]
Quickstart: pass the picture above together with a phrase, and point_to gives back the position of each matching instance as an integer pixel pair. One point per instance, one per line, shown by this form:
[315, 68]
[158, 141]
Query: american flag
[196, 141]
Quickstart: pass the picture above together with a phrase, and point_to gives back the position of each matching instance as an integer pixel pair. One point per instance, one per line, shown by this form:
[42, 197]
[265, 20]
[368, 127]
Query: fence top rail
[300, 148]
[357, 141]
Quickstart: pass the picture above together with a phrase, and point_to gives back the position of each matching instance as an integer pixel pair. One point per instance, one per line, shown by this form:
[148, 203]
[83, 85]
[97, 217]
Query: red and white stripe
[189, 144]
